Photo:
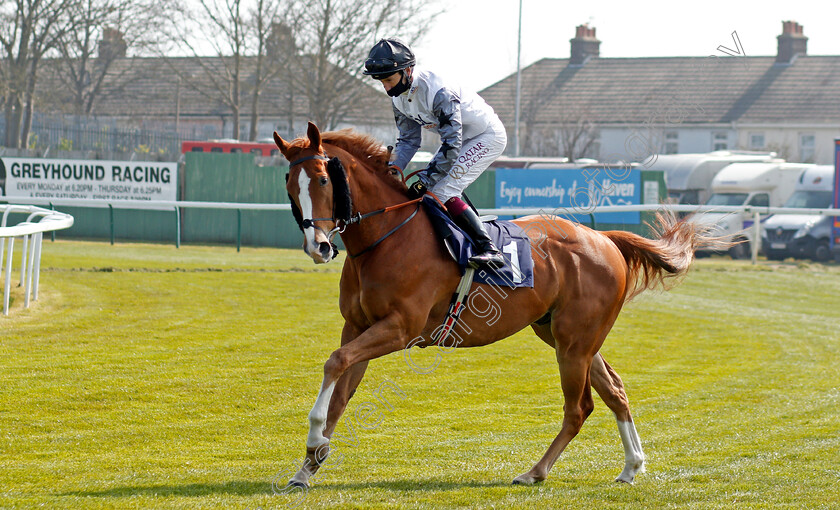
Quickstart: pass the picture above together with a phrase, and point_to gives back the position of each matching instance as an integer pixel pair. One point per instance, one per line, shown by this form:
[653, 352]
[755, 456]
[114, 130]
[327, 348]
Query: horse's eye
[324, 181]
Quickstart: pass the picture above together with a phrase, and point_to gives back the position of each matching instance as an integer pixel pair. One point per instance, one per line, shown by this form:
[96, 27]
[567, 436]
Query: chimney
[584, 45]
[112, 45]
[792, 42]
[281, 42]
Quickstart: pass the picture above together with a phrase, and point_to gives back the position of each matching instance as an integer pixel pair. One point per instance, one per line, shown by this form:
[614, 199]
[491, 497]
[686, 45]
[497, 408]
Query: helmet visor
[380, 69]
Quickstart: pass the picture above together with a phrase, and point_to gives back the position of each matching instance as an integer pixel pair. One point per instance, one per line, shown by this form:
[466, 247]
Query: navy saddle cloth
[508, 237]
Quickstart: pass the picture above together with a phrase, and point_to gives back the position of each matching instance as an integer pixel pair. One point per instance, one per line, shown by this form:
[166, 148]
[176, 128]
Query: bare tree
[578, 133]
[313, 48]
[333, 37]
[28, 30]
[264, 32]
[103, 32]
[215, 35]
[567, 131]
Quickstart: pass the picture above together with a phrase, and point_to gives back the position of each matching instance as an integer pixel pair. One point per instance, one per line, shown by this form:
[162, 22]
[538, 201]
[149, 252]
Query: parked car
[803, 235]
[748, 184]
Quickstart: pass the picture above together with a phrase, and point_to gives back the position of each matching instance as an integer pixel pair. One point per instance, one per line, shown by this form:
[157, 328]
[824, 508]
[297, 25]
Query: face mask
[400, 87]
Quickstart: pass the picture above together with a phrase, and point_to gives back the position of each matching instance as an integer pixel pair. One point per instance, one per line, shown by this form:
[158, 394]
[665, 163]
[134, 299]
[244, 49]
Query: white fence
[32, 233]
[32, 230]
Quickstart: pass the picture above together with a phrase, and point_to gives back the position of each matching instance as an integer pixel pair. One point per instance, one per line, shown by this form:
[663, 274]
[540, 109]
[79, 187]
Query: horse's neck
[370, 193]
[373, 193]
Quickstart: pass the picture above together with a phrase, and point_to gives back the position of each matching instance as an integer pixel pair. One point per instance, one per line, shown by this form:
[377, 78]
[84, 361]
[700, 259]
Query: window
[807, 146]
[756, 141]
[720, 141]
[727, 199]
[760, 200]
[672, 142]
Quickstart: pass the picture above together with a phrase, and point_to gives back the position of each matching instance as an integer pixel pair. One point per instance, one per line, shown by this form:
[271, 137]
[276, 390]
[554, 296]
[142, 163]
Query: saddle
[509, 237]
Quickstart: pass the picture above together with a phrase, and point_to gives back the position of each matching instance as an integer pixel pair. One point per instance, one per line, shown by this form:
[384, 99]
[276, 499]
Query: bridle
[342, 224]
[305, 223]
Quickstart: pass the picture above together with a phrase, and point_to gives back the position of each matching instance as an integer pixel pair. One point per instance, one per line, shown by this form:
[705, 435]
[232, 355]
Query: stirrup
[490, 258]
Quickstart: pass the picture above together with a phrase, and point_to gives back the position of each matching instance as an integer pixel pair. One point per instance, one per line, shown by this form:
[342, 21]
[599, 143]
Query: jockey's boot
[487, 254]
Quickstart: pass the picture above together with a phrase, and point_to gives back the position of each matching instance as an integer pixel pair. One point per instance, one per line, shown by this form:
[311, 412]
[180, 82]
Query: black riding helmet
[387, 57]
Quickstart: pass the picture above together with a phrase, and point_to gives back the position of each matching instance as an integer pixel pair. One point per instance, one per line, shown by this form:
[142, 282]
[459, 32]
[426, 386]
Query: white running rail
[38, 221]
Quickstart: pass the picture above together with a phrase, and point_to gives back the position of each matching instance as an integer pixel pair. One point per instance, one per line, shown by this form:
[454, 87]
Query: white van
[802, 235]
[689, 176]
[748, 184]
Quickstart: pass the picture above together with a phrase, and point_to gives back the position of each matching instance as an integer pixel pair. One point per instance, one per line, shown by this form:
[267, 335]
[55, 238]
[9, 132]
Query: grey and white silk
[471, 134]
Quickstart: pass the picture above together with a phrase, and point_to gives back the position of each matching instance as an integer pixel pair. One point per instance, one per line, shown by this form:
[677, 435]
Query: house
[631, 108]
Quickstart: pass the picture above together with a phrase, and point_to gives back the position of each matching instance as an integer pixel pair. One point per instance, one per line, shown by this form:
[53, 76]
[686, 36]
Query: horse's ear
[281, 144]
[314, 137]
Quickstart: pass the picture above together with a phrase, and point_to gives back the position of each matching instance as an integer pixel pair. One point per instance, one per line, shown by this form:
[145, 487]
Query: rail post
[238, 229]
[756, 245]
[111, 214]
[52, 234]
[177, 227]
[8, 286]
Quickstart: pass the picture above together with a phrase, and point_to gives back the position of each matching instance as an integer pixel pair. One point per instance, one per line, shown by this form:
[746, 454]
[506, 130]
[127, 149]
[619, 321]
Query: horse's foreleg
[315, 455]
[609, 386]
[342, 373]
[329, 406]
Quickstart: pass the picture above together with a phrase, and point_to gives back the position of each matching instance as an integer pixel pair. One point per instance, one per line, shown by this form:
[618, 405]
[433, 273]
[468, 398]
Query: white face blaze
[312, 236]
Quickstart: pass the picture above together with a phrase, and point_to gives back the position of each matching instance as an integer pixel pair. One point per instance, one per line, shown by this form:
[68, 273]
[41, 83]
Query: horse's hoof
[622, 480]
[297, 485]
[525, 479]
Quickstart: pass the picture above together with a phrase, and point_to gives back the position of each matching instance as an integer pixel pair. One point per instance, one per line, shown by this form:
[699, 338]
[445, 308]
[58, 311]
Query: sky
[474, 42]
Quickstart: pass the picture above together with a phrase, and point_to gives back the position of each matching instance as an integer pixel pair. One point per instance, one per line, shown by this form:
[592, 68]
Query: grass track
[150, 377]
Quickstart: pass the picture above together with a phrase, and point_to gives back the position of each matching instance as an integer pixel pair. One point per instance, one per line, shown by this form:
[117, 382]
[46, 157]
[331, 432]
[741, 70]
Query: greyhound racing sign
[22, 178]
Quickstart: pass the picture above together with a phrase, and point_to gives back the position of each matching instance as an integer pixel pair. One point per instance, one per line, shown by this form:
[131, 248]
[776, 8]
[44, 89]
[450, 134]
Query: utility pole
[518, 85]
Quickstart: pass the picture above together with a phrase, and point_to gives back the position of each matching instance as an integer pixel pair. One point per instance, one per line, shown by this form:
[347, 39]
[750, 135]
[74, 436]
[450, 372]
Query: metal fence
[91, 134]
[31, 230]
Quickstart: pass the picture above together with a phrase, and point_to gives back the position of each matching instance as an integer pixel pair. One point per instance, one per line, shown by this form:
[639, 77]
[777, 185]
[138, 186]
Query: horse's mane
[366, 149]
[360, 145]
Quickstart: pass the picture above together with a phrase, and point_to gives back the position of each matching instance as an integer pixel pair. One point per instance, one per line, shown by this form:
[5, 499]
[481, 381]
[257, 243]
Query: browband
[307, 158]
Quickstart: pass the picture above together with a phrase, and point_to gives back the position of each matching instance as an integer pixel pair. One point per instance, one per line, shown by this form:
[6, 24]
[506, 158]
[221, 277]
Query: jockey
[471, 134]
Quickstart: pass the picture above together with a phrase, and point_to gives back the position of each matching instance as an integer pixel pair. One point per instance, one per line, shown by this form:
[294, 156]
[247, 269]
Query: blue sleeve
[408, 141]
[446, 108]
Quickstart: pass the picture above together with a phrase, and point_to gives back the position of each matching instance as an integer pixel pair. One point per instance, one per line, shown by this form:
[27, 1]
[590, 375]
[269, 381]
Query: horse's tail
[665, 259]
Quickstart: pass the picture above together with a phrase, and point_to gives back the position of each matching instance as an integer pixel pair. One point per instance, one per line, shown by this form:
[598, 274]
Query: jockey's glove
[416, 190]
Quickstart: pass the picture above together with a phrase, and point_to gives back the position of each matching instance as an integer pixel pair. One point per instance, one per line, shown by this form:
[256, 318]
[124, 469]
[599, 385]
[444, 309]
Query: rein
[359, 217]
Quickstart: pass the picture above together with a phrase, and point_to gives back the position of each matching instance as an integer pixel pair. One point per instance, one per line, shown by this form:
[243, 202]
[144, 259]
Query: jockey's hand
[416, 190]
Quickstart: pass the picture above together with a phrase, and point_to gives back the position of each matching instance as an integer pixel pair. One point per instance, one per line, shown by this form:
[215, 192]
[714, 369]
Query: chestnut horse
[398, 279]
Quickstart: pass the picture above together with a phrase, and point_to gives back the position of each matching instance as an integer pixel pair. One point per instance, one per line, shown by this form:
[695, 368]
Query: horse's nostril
[324, 248]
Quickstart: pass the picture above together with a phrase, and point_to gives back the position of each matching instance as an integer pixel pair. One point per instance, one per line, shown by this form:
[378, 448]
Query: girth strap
[455, 308]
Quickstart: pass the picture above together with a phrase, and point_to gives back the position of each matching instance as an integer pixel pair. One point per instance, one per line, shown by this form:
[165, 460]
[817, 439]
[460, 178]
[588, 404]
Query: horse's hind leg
[611, 390]
[574, 364]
